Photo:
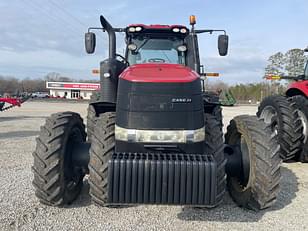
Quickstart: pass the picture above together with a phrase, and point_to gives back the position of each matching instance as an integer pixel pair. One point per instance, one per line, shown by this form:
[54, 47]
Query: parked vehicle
[40, 95]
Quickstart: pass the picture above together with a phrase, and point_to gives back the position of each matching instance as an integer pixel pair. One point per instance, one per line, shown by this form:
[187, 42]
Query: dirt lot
[20, 210]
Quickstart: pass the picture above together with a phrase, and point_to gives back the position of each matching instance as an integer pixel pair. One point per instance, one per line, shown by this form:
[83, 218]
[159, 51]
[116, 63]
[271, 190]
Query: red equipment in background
[13, 102]
[300, 84]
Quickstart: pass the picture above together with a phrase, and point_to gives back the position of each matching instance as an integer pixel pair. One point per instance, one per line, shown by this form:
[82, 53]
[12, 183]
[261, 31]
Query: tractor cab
[156, 44]
[171, 44]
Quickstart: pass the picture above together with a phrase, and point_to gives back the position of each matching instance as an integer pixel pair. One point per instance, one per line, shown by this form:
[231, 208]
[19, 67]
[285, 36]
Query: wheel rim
[240, 171]
[269, 115]
[245, 178]
[304, 120]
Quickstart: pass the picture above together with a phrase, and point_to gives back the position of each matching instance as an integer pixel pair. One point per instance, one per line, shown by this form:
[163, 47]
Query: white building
[71, 90]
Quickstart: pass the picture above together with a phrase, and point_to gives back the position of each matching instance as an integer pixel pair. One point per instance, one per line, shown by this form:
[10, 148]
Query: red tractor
[154, 135]
[289, 115]
[12, 102]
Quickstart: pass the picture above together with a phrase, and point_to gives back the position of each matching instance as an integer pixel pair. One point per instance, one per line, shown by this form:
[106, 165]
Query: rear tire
[102, 148]
[56, 180]
[282, 114]
[301, 103]
[214, 145]
[255, 185]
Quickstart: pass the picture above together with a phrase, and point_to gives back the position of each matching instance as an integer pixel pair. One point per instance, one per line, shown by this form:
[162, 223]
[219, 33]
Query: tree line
[249, 92]
[291, 63]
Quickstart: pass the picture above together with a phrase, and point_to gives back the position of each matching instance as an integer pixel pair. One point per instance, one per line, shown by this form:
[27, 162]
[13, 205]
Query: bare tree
[295, 60]
[291, 63]
[276, 64]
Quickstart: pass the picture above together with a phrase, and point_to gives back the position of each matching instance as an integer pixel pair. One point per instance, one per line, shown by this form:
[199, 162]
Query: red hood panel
[159, 73]
[300, 85]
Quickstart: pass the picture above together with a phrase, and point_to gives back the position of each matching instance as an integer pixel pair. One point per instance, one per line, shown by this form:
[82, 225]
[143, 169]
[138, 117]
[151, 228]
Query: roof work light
[192, 19]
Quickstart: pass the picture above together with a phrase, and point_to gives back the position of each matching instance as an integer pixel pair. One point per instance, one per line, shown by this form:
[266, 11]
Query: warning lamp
[95, 71]
[273, 77]
[192, 19]
[212, 74]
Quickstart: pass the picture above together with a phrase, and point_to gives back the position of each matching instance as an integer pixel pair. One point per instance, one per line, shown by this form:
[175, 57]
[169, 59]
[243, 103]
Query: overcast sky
[42, 36]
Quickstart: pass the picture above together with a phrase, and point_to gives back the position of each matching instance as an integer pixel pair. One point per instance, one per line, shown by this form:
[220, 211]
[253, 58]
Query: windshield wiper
[141, 45]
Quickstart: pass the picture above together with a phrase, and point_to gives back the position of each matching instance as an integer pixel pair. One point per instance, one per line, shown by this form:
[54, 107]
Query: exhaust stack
[112, 37]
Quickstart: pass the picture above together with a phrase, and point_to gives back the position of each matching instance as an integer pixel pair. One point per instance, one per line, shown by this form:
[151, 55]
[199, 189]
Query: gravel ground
[20, 210]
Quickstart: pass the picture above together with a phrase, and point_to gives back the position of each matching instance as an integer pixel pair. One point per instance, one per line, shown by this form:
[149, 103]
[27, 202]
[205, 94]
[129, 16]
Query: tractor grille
[179, 179]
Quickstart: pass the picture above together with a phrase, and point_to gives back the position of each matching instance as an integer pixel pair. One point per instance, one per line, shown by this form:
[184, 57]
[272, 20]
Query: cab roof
[157, 30]
[157, 26]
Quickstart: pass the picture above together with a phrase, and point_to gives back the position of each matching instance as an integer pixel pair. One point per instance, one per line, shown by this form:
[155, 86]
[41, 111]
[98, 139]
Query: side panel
[110, 69]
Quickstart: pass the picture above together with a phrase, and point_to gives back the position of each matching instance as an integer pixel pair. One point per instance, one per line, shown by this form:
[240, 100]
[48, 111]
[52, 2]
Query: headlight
[138, 28]
[132, 29]
[182, 48]
[183, 30]
[176, 30]
[159, 136]
[106, 75]
[132, 47]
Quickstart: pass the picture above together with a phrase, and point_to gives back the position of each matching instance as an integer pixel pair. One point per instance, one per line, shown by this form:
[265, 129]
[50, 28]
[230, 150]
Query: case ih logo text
[181, 100]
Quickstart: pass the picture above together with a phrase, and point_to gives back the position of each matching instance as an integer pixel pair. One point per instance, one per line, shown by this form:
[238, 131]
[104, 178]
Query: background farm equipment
[288, 114]
[225, 97]
[12, 102]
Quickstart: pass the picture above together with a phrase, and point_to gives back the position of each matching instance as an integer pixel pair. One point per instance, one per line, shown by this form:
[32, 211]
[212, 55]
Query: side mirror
[223, 44]
[90, 42]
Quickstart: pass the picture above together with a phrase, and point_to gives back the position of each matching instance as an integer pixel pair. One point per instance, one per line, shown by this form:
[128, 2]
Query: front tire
[56, 180]
[102, 148]
[254, 181]
[214, 144]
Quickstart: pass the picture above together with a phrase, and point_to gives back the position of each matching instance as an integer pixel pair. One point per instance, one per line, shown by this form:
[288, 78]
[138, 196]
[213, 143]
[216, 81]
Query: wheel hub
[304, 120]
[245, 176]
[238, 162]
[269, 115]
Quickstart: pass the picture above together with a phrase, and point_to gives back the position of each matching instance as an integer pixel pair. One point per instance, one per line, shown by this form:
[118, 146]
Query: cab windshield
[150, 50]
